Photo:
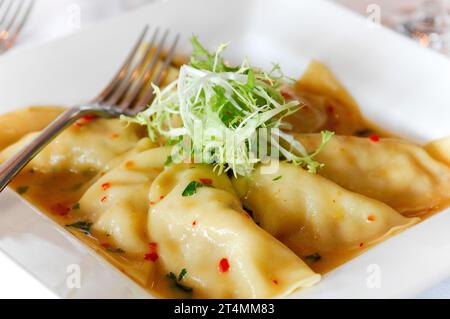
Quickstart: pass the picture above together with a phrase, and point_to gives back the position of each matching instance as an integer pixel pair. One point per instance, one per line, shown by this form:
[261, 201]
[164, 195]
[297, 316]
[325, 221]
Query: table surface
[52, 19]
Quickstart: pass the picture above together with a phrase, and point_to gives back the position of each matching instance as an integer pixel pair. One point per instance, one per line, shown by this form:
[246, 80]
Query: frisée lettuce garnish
[227, 113]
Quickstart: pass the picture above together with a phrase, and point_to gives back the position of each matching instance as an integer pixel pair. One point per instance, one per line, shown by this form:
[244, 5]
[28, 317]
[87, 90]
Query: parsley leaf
[169, 160]
[115, 250]
[191, 188]
[313, 258]
[22, 189]
[177, 280]
[183, 273]
[277, 178]
[76, 206]
[84, 226]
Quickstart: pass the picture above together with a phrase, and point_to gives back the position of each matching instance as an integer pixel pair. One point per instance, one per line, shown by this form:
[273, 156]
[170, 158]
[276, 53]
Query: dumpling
[395, 172]
[328, 105]
[84, 146]
[311, 214]
[440, 150]
[225, 254]
[117, 203]
[15, 124]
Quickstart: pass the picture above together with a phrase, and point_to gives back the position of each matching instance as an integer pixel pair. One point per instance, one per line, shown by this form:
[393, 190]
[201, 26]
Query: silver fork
[121, 96]
[13, 16]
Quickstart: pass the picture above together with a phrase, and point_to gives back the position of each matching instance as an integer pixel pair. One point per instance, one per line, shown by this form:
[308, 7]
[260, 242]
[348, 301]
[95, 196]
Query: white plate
[400, 86]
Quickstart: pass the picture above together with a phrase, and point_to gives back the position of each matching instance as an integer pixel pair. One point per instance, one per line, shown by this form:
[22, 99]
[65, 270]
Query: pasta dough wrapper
[197, 232]
[398, 173]
[440, 150]
[90, 147]
[311, 214]
[14, 125]
[328, 105]
[118, 203]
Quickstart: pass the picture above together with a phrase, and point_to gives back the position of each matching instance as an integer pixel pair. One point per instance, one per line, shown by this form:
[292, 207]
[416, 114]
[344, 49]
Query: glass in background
[426, 21]
[429, 24]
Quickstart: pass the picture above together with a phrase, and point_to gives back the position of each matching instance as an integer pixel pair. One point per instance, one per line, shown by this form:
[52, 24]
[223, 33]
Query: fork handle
[11, 167]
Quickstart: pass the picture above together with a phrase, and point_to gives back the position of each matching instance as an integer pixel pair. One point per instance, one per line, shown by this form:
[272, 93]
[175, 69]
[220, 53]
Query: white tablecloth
[52, 19]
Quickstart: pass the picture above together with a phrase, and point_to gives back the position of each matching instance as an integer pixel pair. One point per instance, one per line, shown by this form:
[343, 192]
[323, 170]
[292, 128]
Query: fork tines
[147, 63]
[13, 16]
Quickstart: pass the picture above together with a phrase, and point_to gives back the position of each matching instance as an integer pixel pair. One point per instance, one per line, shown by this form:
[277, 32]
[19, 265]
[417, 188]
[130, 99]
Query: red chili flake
[153, 246]
[194, 223]
[161, 197]
[275, 282]
[286, 95]
[152, 203]
[102, 173]
[106, 245]
[129, 164]
[105, 186]
[374, 138]
[361, 244]
[224, 265]
[85, 119]
[60, 209]
[330, 109]
[152, 255]
[103, 199]
[206, 181]
[371, 218]
[114, 135]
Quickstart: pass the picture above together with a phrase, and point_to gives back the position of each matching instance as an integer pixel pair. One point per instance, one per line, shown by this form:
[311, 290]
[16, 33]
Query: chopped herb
[76, 206]
[177, 280]
[183, 273]
[363, 132]
[22, 189]
[115, 250]
[191, 188]
[82, 225]
[277, 178]
[168, 161]
[313, 258]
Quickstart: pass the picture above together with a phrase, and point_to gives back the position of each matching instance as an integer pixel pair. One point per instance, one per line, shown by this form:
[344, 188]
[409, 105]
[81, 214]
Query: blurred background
[426, 21]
